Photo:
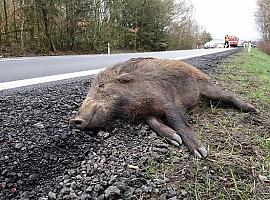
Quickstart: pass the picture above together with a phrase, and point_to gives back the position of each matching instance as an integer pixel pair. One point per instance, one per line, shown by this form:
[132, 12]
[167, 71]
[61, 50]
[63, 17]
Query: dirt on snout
[43, 158]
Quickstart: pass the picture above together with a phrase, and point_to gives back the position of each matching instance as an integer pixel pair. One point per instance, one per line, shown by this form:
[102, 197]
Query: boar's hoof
[251, 108]
[200, 152]
[78, 123]
[176, 144]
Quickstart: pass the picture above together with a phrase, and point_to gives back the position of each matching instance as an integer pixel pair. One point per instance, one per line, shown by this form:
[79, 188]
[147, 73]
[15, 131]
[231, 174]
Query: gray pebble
[18, 145]
[73, 184]
[121, 185]
[33, 177]
[138, 191]
[73, 195]
[78, 177]
[71, 172]
[112, 191]
[131, 190]
[23, 148]
[112, 179]
[65, 191]
[3, 185]
[173, 198]
[156, 190]
[89, 189]
[39, 125]
[160, 150]
[153, 135]
[146, 189]
[98, 187]
[66, 181]
[85, 196]
[171, 193]
[52, 195]
[101, 197]
[103, 134]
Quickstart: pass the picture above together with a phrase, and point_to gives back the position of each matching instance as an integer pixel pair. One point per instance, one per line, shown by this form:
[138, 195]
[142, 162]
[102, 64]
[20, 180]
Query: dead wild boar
[158, 90]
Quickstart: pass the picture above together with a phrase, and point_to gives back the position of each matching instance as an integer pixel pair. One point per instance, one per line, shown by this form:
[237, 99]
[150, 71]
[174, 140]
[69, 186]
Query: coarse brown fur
[159, 90]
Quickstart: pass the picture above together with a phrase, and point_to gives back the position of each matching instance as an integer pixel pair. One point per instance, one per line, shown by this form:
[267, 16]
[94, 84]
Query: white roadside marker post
[249, 47]
[109, 48]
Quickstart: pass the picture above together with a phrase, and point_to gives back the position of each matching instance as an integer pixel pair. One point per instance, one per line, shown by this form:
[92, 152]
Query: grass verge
[239, 143]
[238, 164]
[239, 158]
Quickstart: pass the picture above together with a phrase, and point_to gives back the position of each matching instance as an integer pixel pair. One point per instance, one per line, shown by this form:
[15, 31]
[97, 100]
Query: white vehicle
[209, 45]
[217, 43]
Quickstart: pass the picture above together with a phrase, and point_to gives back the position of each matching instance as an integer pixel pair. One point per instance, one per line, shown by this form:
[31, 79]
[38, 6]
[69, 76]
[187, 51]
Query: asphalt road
[13, 69]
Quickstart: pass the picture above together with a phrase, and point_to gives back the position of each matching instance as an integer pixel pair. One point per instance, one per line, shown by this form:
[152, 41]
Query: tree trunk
[48, 36]
[73, 23]
[1, 22]
[22, 27]
[14, 21]
[67, 42]
[6, 21]
[38, 26]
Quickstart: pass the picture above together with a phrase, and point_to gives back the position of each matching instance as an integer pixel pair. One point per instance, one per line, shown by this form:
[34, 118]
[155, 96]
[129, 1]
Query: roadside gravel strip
[42, 158]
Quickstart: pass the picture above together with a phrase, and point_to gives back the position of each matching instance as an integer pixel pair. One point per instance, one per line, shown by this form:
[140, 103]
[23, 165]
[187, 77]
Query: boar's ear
[125, 78]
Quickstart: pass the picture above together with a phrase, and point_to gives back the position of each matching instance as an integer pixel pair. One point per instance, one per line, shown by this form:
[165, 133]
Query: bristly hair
[118, 106]
[150, 69]
[129, 66]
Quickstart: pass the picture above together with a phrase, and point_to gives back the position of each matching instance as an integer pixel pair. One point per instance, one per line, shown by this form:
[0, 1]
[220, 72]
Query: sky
[233, 17]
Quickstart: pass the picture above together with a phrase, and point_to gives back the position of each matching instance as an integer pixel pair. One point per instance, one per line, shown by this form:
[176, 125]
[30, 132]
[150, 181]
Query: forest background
[52, 27]
[87, 26]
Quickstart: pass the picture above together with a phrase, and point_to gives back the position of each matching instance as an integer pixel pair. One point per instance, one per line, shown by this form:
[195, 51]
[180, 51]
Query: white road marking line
[13, 59]
[200, 54]
[45, 79]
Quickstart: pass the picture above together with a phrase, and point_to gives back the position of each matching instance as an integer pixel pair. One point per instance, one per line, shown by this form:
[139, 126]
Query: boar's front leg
[160, 128]
[176, 120]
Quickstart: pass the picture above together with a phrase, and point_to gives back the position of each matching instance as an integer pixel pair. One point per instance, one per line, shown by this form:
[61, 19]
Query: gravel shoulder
[42, 158]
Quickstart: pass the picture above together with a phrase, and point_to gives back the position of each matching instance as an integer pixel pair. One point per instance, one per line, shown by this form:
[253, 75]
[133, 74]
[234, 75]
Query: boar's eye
[101, 85]
[125, 78]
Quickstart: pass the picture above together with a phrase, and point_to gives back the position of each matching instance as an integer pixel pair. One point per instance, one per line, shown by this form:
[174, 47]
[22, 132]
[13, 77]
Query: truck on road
[233, 41]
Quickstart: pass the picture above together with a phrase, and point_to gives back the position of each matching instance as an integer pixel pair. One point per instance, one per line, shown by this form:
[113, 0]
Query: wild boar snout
[92, 114]
[78, 123]
[85, 115]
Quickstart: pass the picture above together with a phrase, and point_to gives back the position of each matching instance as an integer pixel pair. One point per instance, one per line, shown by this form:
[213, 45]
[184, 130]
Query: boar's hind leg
[214, 93]
[160, 128]
[177, 121]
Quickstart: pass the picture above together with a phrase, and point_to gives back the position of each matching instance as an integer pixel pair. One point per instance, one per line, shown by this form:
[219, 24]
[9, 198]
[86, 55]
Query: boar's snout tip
[77, 123]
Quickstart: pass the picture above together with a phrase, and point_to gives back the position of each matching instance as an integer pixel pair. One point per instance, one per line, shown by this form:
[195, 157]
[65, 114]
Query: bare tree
[6, 20]
[263, 18]
[22, 26]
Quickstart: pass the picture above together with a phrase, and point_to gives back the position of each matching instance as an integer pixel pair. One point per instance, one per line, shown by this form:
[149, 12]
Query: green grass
[256, 68]
[254, 76]
[235, 173]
